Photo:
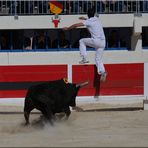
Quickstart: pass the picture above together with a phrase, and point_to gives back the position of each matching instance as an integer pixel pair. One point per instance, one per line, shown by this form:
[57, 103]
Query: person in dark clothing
[41, 41]
[4, 41]
[61, 42]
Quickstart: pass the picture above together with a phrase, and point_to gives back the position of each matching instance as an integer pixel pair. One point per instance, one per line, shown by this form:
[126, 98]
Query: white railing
[26, 7]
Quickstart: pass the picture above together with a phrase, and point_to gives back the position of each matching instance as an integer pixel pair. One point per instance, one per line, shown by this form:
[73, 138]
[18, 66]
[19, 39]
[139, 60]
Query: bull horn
[82, 84]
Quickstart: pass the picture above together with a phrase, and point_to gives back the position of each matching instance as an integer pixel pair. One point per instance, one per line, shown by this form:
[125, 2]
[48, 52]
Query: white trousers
[99, 45]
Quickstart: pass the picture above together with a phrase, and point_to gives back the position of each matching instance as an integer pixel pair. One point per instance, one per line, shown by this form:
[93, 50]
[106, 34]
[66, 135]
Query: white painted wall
[45, 21]
[41, 21]
[71, 57]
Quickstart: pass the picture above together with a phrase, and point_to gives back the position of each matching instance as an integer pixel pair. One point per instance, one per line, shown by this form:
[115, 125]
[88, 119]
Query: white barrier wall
[71, 57]
[45, 21]
[40, 21]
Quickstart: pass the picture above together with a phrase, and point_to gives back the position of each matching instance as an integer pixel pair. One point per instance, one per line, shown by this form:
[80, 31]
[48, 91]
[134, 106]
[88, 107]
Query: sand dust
[100, 125]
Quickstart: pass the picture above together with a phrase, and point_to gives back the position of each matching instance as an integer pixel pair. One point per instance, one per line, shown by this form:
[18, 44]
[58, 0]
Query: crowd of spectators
[32, 39]
[58, 39]
[72, 7]
[116, 38]
[41, 39]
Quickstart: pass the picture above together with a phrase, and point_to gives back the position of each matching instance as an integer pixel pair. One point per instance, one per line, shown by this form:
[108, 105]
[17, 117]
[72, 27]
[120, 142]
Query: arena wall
[127, 70]
[123, 79]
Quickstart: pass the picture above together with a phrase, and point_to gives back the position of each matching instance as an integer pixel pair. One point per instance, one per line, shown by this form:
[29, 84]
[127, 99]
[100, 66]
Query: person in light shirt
[97, 40]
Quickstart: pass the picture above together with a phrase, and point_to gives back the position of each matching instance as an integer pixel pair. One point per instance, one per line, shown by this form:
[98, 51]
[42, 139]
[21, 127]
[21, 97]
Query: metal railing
[42, 7]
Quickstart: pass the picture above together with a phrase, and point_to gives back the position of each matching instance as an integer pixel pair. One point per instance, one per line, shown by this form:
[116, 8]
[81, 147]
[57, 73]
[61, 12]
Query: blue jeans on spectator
[100, 7]
[145, 6]
[119, 6]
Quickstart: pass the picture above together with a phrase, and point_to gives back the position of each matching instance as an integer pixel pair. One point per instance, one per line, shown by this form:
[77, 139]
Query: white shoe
[103, 77]
[83, 61]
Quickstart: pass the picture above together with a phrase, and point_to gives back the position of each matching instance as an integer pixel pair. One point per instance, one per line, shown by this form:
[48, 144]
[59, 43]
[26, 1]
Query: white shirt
[95, 28]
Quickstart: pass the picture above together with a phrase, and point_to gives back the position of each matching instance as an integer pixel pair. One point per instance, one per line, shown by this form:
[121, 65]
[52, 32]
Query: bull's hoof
[26, 124]
[59, 116]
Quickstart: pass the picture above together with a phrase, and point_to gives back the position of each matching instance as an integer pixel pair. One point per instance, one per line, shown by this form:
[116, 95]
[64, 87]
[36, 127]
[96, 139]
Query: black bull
[51, 97]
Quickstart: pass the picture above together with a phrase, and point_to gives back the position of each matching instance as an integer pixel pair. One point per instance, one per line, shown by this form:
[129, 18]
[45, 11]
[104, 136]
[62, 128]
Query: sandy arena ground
[100, 125]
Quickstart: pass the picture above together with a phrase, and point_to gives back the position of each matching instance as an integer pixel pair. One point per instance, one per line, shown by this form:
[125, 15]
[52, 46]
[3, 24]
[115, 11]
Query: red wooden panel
[122, 79]
[32, 73]
[104, 92]
[13, 93]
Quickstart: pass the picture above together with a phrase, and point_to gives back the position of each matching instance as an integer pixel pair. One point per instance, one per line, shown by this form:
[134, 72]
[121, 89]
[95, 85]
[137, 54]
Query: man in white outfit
[96, 41]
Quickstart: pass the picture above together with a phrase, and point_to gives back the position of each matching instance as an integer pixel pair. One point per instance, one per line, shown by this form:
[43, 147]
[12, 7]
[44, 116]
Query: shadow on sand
[114, 109]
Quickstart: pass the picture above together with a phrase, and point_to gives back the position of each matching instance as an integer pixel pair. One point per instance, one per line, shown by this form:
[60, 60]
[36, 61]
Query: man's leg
[98, 59]
[82, 46]
[100, 66]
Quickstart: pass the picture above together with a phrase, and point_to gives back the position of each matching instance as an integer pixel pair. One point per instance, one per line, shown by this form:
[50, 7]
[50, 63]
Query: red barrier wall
[122, 79]
[16, 75]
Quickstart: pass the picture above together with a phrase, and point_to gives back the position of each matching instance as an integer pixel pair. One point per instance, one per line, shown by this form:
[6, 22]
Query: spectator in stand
[113, 39]
[41, 41]
[17, 39]
[83, 34]
[131, 6]
[27, 43]
[144, 37]
[145, 5]
[113, 5]
[13, 7]
[67, 6]
[4, 40]
[61, 42]
[28, 39]
[100, 7]
[76, 6]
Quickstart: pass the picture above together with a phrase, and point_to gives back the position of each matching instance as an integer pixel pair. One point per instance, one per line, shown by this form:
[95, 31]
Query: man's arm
[82, 18]
[73, 26]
